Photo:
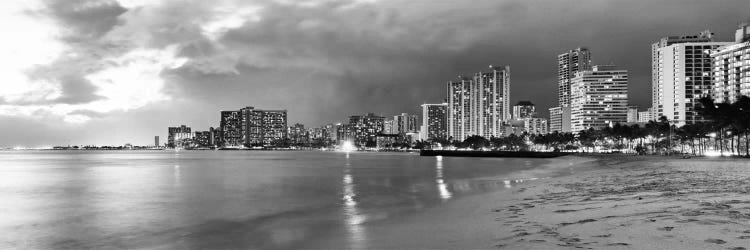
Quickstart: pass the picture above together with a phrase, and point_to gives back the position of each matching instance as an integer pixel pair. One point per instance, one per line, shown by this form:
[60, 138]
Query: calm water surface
[225, 199]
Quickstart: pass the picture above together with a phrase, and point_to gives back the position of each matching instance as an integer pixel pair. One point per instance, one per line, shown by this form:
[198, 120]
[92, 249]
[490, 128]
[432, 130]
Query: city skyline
[77, 89]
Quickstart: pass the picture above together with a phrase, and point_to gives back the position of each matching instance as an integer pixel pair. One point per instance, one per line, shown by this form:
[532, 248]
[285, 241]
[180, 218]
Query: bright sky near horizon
[111, 72]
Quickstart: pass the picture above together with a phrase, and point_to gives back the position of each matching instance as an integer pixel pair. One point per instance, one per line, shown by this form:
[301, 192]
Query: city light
[347, 146]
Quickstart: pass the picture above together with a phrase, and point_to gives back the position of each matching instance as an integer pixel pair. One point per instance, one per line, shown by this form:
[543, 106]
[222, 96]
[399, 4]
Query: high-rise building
[251, 126]
[365, 128]
[658, 74]
[632, 114]
[599, 98]
[434, 121]
[459, 108]
[524, 109]
[329, 133]
[683, 77]
[298, 134]
[231, 129]
[645, 116]
[559, 119]
[178, 137]
[156, 141]
[215, 136]
[490, 101]
[389, 127]
[202, 139]
[731, 68]
[404, 123]
[274, 124]
[535, 126]
[344, 132]
[479, 105]
[568, 64]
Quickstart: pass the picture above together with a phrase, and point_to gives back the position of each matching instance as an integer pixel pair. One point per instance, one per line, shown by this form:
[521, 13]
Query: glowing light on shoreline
[347, 146]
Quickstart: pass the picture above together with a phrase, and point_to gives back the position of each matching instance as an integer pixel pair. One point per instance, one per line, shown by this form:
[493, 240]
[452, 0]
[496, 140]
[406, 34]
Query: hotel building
[250, 126]
[683, 77]
[524, 109]
[434, 121]
[568, 64]
[365, 128]
[599, 98]
[404, 123]
[178, 137]
[662, 87]
[731, 68]
[559, 119]
[479, 105]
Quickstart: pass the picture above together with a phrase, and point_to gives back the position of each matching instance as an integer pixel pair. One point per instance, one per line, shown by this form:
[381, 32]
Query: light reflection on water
[357, 234]
[210, 199]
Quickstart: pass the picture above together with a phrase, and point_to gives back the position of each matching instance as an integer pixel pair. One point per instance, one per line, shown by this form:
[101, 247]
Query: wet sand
[608, 202]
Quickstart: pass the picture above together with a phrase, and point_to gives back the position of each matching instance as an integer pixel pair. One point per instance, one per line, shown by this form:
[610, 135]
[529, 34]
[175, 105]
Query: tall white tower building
[658, 59]
[683, 77]
[731, 69]
[479, 105]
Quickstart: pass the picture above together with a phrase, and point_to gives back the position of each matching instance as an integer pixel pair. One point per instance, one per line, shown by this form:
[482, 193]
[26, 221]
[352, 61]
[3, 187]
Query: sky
[106, 72]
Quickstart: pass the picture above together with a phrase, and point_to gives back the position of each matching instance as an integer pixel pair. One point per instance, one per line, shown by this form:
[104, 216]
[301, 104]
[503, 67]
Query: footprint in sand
[715, 241]
[666, 228]
[618, 244]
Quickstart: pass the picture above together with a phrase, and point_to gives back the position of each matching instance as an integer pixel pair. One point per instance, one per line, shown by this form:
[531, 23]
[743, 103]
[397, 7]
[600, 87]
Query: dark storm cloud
[325, 60]
[86, 18]
[389, 57]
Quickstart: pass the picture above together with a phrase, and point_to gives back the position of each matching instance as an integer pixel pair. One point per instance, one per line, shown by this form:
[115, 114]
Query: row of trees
[725, 129]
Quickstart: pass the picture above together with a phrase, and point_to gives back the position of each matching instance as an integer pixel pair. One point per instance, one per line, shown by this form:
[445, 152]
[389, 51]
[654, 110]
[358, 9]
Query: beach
[606, 202]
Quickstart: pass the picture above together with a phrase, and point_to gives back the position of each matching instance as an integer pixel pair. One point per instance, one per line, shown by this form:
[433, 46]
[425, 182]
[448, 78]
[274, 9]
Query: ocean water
[228, 199]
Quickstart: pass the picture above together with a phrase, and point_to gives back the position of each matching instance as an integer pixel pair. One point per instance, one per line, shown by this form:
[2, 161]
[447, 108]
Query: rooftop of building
[524, 103]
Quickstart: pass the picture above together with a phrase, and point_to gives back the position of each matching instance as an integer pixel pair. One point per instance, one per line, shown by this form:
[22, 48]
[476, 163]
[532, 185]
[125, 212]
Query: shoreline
[625, 202]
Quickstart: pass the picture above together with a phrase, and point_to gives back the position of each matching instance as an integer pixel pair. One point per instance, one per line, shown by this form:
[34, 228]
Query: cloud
[62, 62]
[82, 62]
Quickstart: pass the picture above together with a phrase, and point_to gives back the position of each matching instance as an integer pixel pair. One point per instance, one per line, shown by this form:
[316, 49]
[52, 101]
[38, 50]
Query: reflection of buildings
[178, 137]
[443, 191]
[354, 218]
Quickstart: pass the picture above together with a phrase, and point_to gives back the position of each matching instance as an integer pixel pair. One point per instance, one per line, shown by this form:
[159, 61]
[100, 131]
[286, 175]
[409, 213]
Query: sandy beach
[630, 202]
[607, 202]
